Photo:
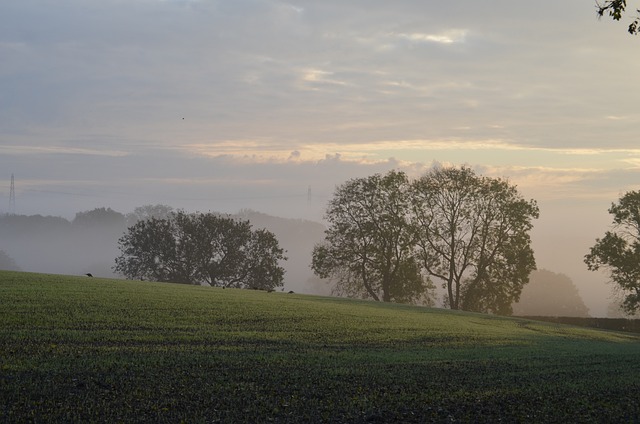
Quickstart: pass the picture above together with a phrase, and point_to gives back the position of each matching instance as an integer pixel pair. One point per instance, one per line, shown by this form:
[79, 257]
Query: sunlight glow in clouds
[446, 37]
[279, 95]
[269, 150]
[321, 77]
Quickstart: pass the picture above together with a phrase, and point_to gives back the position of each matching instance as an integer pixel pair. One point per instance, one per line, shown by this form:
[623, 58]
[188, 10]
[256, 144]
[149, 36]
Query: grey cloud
[122, 75]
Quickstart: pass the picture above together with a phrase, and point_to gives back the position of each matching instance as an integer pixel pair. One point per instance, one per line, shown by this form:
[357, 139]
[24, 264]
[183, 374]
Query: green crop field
[79, 349]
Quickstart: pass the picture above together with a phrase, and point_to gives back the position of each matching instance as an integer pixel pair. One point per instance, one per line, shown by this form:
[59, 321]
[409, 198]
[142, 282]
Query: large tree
[619, 250]
[550, 294]
[368, 249]
[201, 249]
[473, 236]
[616, 10]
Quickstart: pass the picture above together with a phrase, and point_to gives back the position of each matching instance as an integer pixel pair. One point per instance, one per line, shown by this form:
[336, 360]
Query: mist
[88, 243]
[55, 245]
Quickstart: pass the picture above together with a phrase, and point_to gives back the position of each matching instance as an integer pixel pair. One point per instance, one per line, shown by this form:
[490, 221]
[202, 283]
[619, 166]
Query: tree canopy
[98, 218]
[390, 238]
[148, 211]
[472, 235]
[201, 248]
[616, 10]
[618, 251]
[369, 245]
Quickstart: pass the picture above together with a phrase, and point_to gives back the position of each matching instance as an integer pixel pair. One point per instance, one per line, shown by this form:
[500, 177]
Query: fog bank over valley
[269, 105]
[88, 244]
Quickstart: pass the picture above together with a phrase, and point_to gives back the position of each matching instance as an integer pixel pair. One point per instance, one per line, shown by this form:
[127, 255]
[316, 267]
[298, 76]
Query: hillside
[54, 245]
[91, 349]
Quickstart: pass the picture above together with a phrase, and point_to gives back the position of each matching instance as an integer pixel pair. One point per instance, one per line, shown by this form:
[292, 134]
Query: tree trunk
[453, 301]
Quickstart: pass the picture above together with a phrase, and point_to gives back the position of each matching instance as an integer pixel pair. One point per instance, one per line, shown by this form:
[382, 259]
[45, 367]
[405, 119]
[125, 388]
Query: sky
[220, 105]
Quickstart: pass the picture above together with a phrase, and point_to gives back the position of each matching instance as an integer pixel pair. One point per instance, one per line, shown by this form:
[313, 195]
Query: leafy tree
[23, 225]
[472, 234]
[7, 263]
[201, 249]
[550, 294]
[148, 211]
[149, 251]
[619, 250]
[368, 246]
[616, 10]
[99, 218]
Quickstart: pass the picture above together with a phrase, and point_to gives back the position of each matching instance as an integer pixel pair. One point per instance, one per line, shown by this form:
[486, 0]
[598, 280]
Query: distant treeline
[88, 242]
[615, 324]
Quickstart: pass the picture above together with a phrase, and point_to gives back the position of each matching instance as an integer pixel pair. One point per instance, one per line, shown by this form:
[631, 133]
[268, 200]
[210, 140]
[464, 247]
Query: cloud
[316, 76]
[273, 84]
[59, 150]
[445, 37]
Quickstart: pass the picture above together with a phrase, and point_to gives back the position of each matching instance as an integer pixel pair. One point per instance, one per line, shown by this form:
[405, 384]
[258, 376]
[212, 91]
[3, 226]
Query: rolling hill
[79, 349]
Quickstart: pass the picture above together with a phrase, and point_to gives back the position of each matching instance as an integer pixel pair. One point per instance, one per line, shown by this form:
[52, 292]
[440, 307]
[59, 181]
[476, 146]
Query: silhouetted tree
[99, 218]
[369, 246]
[550, 294]
[616, 10]
[619, 250]
[472, 234]
[30, 225]
[201, 248]
[148, 211]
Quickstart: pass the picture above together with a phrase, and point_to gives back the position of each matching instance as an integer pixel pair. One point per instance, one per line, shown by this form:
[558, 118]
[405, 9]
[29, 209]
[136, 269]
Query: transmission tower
[12, 197]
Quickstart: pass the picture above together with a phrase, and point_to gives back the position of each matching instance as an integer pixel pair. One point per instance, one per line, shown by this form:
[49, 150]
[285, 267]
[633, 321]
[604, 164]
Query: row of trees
[390, 239]
[201, 248]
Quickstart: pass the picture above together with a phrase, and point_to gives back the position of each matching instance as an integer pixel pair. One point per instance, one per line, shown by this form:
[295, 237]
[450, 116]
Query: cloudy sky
[229, 104]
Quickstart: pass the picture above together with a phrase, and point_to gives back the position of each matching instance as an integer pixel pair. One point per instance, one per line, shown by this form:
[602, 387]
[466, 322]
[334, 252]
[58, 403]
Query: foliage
[472, 235]
[368, 247]
[616, 10]
[99, 217]
[30, 225]
[201, 248]
[7, 263]
[550, 294]
[619, 250]
[141, 213]
[97, 350]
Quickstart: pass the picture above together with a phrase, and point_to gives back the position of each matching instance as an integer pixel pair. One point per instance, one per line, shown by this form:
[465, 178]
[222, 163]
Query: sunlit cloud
[268, 150]
[633, 162]
[318, 76]
[550, 183]
[446, 37]
[615, 118]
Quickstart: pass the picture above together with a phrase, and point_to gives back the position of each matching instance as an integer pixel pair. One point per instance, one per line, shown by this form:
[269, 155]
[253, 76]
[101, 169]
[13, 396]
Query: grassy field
[79, 349]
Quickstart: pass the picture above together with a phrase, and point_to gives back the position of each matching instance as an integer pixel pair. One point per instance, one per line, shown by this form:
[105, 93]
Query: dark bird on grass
[88, 274]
